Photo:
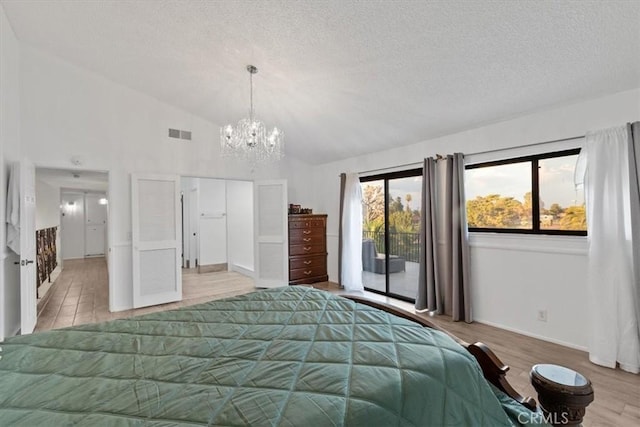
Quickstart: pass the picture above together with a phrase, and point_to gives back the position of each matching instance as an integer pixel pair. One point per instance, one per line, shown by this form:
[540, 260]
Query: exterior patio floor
[404, 283]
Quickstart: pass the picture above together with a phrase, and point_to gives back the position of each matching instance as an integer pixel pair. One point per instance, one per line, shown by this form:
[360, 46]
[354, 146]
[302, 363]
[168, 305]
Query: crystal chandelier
[249, 140]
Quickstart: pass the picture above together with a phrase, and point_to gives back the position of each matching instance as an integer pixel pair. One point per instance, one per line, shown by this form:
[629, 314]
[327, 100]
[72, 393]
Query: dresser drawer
[308, 262]
[303, 273]
[318, 248]
[303, 236]
[307, 223]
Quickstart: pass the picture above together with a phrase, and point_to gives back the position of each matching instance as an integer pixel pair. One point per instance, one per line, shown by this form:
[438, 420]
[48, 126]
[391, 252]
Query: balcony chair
[374, 262]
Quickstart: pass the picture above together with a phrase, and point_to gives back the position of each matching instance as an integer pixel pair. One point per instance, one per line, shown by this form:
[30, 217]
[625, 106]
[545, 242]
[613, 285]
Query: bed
[292, 356]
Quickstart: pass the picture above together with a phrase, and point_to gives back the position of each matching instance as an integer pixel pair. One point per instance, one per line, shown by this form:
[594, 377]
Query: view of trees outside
[500, 196]
[404, 212]
[404, 215]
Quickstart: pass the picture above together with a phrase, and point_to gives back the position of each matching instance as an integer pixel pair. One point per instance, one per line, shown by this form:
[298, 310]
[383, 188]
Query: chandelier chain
[251, 95]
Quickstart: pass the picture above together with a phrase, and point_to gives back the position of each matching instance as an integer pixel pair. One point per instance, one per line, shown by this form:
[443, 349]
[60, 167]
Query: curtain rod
[477, 153]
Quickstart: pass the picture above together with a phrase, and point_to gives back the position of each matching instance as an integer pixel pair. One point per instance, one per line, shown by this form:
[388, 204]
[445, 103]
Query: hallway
[81, 294]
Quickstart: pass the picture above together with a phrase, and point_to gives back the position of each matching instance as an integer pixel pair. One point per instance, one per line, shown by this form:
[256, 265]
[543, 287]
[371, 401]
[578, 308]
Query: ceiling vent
[180, 134]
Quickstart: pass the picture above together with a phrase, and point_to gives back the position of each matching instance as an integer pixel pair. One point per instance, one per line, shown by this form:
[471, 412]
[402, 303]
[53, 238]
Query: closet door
[156, 232]
[271, 234]
[25, 172]
[95, 223]
[73, 225]
[212, 222]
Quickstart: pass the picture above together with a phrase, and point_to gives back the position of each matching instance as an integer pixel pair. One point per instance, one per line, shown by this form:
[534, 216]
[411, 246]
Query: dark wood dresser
[307, 249]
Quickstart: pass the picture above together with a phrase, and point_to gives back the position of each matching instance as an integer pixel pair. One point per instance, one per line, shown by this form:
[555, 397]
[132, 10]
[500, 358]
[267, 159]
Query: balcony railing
[406, 245]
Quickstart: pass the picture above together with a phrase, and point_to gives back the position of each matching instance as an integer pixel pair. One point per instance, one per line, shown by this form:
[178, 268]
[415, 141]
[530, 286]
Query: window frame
[535, 194]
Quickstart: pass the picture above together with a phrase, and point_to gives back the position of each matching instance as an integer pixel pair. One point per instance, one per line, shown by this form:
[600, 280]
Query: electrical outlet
[542, 315]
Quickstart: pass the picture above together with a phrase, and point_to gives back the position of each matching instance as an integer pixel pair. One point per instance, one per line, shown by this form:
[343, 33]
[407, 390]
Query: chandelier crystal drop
[249, 140]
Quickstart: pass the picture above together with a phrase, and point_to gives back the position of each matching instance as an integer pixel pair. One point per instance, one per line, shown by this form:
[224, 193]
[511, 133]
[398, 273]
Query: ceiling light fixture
[249, 140]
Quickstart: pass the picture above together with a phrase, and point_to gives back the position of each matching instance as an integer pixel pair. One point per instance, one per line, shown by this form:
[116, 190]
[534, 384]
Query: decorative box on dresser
[307, 249]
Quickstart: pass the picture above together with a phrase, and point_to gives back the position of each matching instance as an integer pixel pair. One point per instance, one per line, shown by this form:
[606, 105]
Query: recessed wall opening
[72, 222]
[217, 225]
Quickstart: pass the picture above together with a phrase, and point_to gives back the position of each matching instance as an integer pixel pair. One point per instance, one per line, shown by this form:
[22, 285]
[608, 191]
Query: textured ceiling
[343, 78]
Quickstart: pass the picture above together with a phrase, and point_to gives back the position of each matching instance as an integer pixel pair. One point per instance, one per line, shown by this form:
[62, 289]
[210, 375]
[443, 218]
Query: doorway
[390, 233]
[72, 222]
[217, 225]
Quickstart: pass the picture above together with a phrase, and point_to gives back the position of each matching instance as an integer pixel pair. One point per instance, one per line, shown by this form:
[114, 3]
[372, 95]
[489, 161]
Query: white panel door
[95, 224]
[156, 236]
[94, 240]
[28, 295]
[271, 233]
[193, 227]
[95, 213]
[212, 222]
[73, 226]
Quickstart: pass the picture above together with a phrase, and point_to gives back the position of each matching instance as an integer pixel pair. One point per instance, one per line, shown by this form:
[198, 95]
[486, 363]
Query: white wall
[185, 189]
[67, 111]
[9, 151]
[240, 226]
[47, 205]
[512, 276]
[48, 211]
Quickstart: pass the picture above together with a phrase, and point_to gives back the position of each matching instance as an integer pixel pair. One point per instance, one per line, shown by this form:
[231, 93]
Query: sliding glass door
[390, 233]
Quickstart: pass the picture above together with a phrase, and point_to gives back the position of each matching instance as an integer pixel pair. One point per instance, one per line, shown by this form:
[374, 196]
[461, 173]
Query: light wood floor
[80, 295]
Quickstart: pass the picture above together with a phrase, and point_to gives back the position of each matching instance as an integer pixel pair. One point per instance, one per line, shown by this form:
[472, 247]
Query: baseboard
[532, 335]
[242, 270]
[117, 309]
[212, 268]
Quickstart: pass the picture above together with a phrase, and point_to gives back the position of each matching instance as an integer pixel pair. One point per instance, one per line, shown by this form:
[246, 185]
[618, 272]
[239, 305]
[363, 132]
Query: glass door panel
[403, 210]
[373, 238]
[390, 233]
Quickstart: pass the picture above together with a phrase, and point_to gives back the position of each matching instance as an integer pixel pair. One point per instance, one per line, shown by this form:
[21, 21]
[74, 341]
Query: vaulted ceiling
[344, 78]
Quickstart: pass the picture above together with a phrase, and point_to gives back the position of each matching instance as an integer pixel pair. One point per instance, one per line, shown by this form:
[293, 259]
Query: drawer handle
[307, 262]
[307, 248]
[308, 272]
[306, 231]
[307, 239]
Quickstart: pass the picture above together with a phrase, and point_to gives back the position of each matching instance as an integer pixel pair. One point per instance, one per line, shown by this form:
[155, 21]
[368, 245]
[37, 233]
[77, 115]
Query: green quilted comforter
[290, 356]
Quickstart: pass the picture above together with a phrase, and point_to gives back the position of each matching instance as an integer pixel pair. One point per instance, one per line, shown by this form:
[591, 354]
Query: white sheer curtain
[613, 275]
[351, 234]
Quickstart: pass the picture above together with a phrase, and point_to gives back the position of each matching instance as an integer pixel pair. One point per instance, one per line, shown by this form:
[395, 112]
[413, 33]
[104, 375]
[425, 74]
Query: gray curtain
[634, 187]
[343, 180]
[443, 281]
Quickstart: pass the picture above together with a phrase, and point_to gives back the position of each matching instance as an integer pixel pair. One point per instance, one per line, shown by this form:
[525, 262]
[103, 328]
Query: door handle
[25, 262]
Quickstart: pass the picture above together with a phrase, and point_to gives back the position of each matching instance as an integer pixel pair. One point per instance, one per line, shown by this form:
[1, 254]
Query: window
[533, 194]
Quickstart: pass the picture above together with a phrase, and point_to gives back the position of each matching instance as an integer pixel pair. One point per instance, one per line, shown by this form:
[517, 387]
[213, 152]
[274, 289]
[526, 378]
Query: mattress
[289, 356]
